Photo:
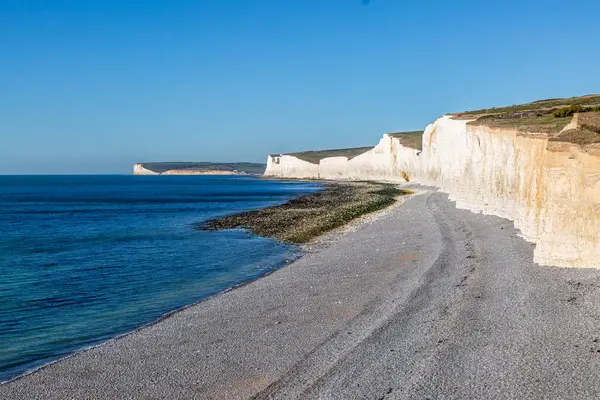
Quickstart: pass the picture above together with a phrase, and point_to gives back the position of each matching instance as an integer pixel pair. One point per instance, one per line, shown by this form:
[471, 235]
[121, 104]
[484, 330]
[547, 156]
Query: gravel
[423, 301]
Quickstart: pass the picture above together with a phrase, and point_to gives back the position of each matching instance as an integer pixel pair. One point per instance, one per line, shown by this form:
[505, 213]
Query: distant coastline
[198, 168]
[206, 263]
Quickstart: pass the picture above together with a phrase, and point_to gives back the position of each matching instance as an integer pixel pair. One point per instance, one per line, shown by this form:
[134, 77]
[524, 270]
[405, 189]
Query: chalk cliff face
[389, 161]
[286, 166]
[138, 169]
[551, 190]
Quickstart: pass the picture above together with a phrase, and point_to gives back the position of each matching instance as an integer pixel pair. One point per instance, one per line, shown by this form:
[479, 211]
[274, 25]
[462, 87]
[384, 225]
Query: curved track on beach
[424, 301]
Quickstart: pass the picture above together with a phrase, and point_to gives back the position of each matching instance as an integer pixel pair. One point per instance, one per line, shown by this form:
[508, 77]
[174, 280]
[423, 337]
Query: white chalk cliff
[139, 169]
[389, 161]
[550, 189]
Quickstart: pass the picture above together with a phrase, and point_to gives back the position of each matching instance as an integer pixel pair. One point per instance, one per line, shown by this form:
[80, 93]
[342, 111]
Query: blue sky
[96, 85]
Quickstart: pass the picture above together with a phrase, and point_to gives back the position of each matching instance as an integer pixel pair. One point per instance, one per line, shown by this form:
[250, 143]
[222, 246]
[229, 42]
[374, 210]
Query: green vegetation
[304, 218]
[413, 139]
[407, 139]
[538, 105]
[572, 110]
[595, 129]
[317, 155]
[587, 132]
[537, 122]
[548, 117]
[250, 168]
[578, 136]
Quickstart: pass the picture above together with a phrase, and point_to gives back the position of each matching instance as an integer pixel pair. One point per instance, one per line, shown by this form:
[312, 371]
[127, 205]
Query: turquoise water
[86, 258]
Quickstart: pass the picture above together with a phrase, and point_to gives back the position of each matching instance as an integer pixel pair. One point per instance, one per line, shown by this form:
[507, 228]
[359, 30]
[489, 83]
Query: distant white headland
[198, 168]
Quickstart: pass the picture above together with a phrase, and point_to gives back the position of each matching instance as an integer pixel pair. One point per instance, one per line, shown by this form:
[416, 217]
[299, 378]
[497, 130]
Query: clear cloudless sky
[92, 86]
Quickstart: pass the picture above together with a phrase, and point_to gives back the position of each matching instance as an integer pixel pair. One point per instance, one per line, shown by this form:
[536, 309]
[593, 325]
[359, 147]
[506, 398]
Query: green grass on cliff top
[317, 155]
[546, 117]
[588, 100]
[413, 139]
[536, 123]
[408, 139]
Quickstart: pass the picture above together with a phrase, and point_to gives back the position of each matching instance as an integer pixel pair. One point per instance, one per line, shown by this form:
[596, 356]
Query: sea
[87, 258]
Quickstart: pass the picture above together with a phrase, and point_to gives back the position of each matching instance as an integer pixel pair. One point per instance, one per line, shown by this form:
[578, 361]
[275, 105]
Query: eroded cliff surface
[549, 188]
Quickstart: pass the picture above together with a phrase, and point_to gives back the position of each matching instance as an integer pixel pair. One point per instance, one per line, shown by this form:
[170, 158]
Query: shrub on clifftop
[571, 110]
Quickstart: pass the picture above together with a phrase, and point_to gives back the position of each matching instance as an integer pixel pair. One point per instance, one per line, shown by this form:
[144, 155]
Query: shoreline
[316, 243]
[156, 321]
[303, 248]
[307, 217]
[410, 290]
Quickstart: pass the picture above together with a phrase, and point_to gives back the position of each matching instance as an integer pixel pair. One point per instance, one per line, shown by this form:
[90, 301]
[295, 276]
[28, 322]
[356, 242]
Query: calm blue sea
[86, 258]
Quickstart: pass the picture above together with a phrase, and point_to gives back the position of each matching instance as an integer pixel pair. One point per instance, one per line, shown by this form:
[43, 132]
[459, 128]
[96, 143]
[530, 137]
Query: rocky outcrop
[550, 189]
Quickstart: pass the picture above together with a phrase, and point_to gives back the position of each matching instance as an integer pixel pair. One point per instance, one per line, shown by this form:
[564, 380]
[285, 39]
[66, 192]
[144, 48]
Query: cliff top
[160, 167]
[317, 155]
[413, 139]
[572, 119]
[588, 100]
[408, 139]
